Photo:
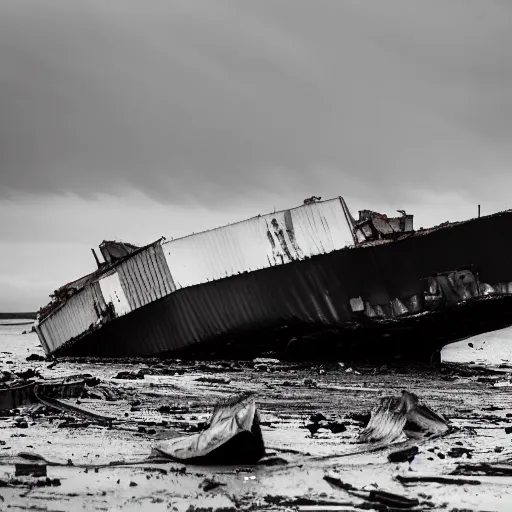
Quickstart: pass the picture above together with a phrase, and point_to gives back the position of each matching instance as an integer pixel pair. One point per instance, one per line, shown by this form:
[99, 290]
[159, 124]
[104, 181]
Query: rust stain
[282, 241]
[275, 252]
[288, 221]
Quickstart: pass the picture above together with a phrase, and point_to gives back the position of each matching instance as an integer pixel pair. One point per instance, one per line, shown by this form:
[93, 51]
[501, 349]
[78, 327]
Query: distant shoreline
[15, 316]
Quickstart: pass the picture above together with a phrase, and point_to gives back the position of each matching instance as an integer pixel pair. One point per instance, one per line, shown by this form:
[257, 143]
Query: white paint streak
[113, 292]
[243, 247]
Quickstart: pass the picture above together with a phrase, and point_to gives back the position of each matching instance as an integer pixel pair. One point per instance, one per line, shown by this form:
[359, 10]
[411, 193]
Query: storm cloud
[130, 119]
[200, 101]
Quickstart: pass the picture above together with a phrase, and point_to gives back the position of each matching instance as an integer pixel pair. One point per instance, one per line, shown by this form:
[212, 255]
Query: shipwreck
[313, 272]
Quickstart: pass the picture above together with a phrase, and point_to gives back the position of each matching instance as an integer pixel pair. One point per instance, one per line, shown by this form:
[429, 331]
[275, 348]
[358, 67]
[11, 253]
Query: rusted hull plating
[387, 279]
[147, 274]
[27, 394]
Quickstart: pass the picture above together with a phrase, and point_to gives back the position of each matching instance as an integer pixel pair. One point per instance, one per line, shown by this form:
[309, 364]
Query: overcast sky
[134, 119]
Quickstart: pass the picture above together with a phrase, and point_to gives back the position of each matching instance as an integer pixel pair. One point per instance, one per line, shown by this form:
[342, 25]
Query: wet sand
[287, 394]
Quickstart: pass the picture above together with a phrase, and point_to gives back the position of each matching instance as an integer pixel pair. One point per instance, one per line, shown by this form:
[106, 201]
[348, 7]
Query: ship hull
[321, 293]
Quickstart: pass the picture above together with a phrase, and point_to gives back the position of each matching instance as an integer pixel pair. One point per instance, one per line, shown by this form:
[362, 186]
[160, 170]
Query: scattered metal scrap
[483, 469]
[73, 409]
[28, 393]
[385, 498]
[34, 468]
[405, 455]
[319, 421]
[51, 394]
[396, 416]
[232, 437]
[373, 226]
[439, 479]
[16, 395]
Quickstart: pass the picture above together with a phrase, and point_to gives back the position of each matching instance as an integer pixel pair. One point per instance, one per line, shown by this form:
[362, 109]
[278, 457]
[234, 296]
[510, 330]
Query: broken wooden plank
[385, 498]
[487, 469]
[439, 479]
[327, 508]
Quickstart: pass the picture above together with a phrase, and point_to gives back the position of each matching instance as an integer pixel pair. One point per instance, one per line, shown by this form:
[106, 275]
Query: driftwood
[385, 498]
[486, 469]
[440, 479]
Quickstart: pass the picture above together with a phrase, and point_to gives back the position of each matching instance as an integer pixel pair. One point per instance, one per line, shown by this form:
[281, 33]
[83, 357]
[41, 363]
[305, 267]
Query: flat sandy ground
[287, 394]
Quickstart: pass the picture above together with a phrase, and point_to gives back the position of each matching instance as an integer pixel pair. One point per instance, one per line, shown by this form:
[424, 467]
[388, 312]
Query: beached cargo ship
[295, 272]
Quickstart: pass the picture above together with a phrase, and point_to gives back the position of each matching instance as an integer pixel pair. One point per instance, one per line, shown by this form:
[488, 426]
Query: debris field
[95, 449]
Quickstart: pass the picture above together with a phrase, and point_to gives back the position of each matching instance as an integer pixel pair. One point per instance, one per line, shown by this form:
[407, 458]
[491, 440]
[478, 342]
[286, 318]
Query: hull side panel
[316, 290]
[258, 243]
[77, 315]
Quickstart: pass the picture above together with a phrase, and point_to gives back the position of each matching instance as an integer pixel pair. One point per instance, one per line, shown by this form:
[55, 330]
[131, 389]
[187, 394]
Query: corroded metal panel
[265, 271]
[257, 243]
[388, 279]
[77, 315]
[153, 272]
[145, 277]
[133, 283]
[199, 313]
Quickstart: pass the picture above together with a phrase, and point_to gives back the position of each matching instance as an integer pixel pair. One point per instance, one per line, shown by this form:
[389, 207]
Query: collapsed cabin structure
[310, 267]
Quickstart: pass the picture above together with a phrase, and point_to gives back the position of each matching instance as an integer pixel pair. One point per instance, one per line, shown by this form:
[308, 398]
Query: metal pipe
[96, 258]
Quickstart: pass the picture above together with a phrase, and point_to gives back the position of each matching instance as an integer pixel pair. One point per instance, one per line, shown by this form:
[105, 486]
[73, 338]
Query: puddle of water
[489, 349]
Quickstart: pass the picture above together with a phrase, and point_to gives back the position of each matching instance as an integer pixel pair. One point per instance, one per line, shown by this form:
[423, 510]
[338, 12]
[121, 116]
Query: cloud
[132, 120]
[46, 241]
[203, 103]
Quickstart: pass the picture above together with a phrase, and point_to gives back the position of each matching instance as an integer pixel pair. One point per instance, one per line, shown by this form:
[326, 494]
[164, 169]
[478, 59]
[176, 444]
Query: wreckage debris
[43, 482]
[29, 373]
[130, 375]
[335, 479]
[387, 498]
[368, 246]
[232, 437]
[317, 418]
[92, 381]
[458, 451]
[483, 469]
[35, 357]
[376, 496]
[214, 380]
[49, 394]
[74, 424]
[21, 423]
[318, 421]
[273, 460]
[396, 416]
[405, 455]
[359, 417]
[16, 396]
[208, 484]
[336, 427]
[30, 468]
[405, 479]
[307, 504]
